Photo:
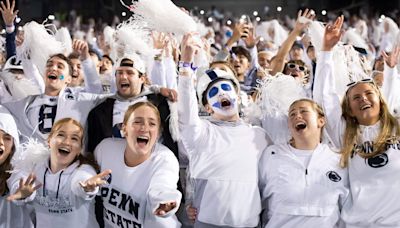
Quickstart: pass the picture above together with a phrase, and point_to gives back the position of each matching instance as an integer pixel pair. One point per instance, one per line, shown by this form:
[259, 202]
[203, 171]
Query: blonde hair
[389, 125]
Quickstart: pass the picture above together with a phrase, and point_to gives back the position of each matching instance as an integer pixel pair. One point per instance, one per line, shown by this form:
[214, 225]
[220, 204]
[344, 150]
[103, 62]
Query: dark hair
[73, 55]
[63, 57]
[108, 57]
[4, 172]
[239, 50]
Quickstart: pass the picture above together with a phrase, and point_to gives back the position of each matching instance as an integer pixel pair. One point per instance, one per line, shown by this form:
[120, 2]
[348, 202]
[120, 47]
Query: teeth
[301, 125]
[63, 150]
[365, 107]
[52, 77]
[143, 137]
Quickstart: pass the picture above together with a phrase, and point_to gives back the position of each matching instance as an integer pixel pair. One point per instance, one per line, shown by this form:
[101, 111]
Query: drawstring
[44, 182]
[58, 186]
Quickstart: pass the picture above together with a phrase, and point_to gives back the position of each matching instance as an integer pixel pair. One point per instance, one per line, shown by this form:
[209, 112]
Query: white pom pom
[163, 16]
[38, 45]
[29, 155]
[277, 93]
[64, 37]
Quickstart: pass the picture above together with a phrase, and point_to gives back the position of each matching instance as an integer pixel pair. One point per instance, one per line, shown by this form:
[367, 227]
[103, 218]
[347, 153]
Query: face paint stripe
[212, 75]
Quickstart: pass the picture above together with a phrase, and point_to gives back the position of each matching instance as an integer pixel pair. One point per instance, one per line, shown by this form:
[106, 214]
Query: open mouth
[300, 126]
[225, 103]
[143, 140]
[125, 85]
[63, 151]
[52, 77]
[295, 75]
[1, 152]
[364, 107]
[74, 76]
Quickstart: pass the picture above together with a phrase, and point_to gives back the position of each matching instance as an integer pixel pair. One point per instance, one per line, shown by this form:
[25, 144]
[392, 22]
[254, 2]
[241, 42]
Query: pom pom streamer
[64, 37]
[162, 16]
[38, 45]
[29, 155]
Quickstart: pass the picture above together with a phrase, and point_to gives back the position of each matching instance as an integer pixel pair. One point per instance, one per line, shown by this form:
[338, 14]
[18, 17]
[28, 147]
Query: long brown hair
[4, 172]
[88, 159]
[389, 128]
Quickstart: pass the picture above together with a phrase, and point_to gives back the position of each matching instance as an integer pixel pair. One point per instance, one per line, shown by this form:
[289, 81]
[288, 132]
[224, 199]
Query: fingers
[12, 5]
[104, 174]
[191, 212]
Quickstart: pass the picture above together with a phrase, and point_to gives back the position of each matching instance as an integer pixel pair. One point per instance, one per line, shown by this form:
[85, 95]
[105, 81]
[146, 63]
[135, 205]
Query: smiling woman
[152, 170]
[61, 187]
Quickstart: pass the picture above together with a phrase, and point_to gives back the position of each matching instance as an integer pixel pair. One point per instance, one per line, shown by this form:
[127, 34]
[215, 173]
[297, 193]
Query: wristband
[182, 65]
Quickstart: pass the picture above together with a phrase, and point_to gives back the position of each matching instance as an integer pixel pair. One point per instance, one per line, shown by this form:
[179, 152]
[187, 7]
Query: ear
[321, 122]
[209, 109]
[123, 128]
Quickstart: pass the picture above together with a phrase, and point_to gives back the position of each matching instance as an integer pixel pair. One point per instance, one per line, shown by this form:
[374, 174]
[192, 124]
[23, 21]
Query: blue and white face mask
[222, 98]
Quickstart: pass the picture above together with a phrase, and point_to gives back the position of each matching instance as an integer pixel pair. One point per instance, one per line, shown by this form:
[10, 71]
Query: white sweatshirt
[61, 201]
[134, 193]
[223, 159]
[375, 198]
[295, 195]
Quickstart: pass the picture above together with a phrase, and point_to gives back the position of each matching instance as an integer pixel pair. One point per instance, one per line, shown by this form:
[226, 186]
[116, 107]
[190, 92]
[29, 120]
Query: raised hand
[25, 188]
[90, 184]
[8, 13]
[164, 208]
[251, 40]
[392, 59]
[303, 19]
[189, 47]
[333, 33]
[82, 48]
[160, 40]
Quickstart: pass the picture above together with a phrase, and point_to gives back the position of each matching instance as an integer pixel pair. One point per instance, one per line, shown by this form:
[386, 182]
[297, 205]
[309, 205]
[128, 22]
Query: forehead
[264, 55]
[57, 60]
[220, 82]
[126, 68]
[360, 88]
[144, 112]
[70, 127]
[75, 61]
[300, 104]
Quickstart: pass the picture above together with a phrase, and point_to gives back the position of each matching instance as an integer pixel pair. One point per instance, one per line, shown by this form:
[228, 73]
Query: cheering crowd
[164, 120]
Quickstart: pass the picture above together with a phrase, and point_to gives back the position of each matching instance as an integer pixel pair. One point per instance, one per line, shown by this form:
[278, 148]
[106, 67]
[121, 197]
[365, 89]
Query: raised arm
[391, 80]
[278, 62]
[324, 92]
[9, 15]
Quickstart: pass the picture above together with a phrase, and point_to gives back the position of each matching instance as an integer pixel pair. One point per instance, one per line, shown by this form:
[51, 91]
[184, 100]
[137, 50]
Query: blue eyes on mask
[214, 90]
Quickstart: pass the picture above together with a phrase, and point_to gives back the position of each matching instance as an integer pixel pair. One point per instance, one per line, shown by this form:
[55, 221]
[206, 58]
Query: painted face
[65, 145]
[6, 144]
[222, 98]
[129, 83]
[304, 120]
[364, 103]
[77, 73]
[142, 130]
[57, 74]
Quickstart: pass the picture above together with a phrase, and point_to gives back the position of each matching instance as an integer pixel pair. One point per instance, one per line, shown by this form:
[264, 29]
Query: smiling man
[36, 114]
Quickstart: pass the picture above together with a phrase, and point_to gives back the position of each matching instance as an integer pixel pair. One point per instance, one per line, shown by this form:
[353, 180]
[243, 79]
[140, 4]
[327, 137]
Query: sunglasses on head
[293, 66]
[351, 84]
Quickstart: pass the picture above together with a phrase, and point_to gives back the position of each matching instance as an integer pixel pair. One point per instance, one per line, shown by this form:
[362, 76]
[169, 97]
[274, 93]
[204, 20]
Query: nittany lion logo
[378, 161]
[333, 176]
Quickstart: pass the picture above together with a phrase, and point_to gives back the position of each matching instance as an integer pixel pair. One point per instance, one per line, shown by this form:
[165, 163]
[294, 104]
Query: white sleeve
[170, 73]
[92, 79]
[276, 126]
[324, 94]
[83, 173]
[31, 72]
[157, 75]
[390, 87]
[188, 110]
[163, 184]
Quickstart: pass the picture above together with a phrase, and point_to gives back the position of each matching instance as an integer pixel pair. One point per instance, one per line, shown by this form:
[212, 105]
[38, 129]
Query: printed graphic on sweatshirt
[121, 209]
[54, 204]
[47, 115]
[379, 160]
[333, 176]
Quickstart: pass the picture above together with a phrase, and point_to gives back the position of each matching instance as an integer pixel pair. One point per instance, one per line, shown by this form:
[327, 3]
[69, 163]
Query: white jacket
[375, 199]
[223, 160]
[134, 193]
[61, 201]
[298, 196]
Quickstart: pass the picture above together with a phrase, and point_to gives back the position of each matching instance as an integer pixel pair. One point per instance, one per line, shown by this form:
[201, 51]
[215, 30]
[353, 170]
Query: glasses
[293, 66]
[351, 84]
